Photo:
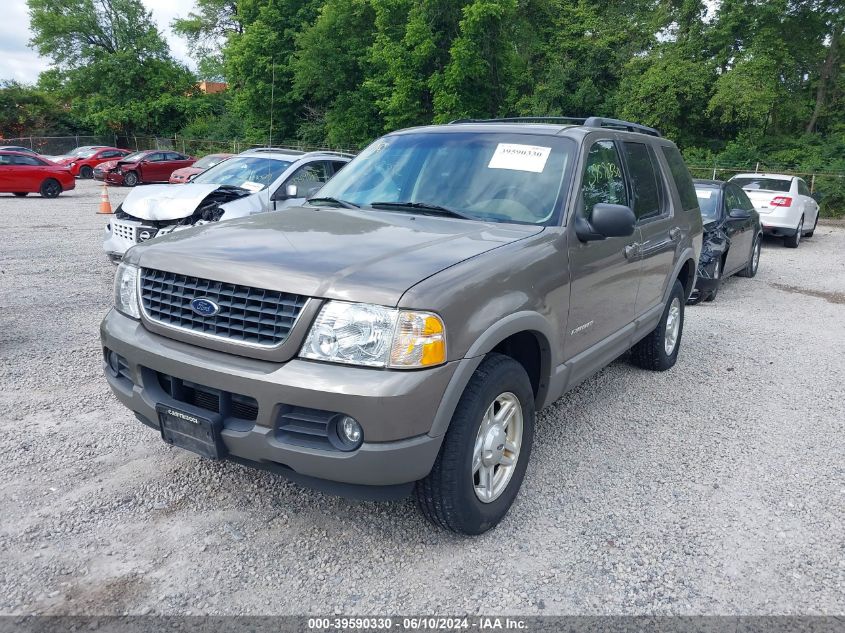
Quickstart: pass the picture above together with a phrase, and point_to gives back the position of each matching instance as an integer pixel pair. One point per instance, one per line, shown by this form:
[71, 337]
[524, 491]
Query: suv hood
[371, 257]
[172, 202]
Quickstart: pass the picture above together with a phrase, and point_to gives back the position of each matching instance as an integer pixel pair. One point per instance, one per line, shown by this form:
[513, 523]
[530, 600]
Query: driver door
[605, 273]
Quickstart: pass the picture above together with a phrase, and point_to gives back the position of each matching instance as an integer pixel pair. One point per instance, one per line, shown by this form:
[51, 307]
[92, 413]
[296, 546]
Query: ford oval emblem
[204, 307]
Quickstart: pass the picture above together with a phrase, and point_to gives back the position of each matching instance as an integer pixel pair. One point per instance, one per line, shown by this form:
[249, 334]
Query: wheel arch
[524, 336]
[685, 272]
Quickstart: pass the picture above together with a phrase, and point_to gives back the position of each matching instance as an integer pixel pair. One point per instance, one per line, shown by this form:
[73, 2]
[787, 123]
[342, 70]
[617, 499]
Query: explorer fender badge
[581, 328]
[204, 307]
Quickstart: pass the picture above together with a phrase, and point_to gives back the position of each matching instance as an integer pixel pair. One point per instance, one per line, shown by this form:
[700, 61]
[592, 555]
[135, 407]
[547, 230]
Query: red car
[183, 175]
[21, 174]
[146, 166]
[83, 160]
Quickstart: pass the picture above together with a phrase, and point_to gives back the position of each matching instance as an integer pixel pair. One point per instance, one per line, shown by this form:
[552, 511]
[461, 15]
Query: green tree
[206, 29]
[111, 64]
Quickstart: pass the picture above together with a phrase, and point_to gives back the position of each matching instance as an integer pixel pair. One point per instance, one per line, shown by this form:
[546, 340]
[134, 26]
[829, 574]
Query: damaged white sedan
[254, 181]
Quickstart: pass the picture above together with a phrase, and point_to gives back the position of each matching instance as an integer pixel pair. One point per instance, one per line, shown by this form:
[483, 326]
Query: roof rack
[597, 121]
[282, 150]
[525, 119]
[320, 152]
[593, 121]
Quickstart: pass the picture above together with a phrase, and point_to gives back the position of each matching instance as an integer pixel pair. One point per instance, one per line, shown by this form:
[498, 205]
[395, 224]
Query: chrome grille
[252, 316]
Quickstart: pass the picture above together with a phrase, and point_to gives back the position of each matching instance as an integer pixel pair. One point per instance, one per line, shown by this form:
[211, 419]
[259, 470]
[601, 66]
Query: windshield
[133, 158]
[708, 202]
[486, 176]
[763, 184]
[208, 161]
[249, 172]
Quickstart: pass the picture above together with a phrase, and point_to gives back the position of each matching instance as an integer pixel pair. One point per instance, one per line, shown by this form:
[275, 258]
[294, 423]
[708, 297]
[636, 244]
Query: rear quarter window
[681, 176]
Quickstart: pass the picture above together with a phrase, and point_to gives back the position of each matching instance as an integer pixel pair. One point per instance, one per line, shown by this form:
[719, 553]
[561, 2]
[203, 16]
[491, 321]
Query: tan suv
[399, 331]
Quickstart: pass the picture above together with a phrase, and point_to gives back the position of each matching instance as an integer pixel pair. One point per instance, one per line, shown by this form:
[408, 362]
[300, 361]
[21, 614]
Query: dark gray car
[400, 331]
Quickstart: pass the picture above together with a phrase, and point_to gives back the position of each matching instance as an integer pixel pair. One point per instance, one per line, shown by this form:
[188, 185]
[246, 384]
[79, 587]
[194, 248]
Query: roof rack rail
[525, 119]
[320, 152]
[597, 121]
[593, 121]
[285, 150]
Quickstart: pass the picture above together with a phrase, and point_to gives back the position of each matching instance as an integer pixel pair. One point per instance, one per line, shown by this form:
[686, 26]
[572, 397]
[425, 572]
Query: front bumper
[396, 409]
[113, 177]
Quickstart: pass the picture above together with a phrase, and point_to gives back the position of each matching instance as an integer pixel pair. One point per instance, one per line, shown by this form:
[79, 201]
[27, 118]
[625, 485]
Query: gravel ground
[715, 488]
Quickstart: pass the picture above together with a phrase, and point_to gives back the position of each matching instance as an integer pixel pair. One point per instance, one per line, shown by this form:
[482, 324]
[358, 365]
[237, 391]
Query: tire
[794, 240]
[753, 262]
[50, 188]
[717, 276]
[650, 352]
[447, 497]
[86, 172]
[130, 179]
[21, 194]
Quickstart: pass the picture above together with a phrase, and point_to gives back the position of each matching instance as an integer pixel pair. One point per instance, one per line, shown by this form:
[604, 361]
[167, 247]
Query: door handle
[632, 251]
[675, 234]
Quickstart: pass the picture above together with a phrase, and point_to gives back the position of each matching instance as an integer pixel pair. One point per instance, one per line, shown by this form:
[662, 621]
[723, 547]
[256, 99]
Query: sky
[19, 62]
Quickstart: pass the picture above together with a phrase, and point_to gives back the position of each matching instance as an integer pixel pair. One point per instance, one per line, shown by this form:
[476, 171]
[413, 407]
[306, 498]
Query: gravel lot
[715, 488]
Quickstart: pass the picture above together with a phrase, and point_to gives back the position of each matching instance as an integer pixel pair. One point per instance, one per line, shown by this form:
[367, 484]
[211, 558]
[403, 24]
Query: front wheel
[717, 281]
[659, 350]
[753, 262]
[130, 179]
[86, 172]
[50, 188]
[485, 452]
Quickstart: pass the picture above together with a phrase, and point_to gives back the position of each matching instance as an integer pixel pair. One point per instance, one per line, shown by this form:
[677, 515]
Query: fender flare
[524, 321]
[686, 255]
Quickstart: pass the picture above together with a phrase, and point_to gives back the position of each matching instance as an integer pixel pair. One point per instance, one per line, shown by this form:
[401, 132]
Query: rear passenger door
[604, 273]
[658, 235]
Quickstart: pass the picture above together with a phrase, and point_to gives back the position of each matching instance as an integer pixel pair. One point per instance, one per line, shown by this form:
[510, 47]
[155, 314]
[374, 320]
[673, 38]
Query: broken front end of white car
[157, 210]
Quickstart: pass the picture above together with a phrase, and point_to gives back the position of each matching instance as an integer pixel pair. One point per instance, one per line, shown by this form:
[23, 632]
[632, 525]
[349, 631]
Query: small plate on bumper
[196, 433]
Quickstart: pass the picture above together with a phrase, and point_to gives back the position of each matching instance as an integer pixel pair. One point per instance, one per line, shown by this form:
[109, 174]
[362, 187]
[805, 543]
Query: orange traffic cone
[105, 204]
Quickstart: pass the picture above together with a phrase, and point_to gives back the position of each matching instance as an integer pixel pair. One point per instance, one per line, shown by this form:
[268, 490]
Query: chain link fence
[60, 145]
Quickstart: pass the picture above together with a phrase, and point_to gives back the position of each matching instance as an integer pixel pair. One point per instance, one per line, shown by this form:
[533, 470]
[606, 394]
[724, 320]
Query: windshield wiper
[340, 203]
[423, 206]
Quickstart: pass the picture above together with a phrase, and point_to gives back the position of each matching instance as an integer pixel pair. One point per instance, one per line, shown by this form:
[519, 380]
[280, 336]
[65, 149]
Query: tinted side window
[155, 157]
[603, 181]
[110, 154]
[337, 166]
[645, 183]
[681, 176]
[6, 159]
[27, 160]
[312, 173]
[802, 188]
[744, 200]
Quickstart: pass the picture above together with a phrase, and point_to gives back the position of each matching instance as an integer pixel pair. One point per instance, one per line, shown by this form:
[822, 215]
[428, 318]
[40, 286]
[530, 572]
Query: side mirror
[608, 220]
[739, 214]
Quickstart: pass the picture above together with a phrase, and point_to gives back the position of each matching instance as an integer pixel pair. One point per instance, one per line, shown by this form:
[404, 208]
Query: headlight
[375, 336]
[126, 291]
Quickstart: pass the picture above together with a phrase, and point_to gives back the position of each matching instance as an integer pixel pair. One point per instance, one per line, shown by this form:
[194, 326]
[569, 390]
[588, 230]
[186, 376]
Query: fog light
[349, 432]
[114, 362]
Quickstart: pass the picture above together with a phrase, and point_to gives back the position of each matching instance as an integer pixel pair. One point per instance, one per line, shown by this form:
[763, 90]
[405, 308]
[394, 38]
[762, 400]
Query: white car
[254, 181]
[784, 203]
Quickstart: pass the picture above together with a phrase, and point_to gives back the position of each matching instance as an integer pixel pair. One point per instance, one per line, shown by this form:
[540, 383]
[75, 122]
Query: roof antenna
[272, 102]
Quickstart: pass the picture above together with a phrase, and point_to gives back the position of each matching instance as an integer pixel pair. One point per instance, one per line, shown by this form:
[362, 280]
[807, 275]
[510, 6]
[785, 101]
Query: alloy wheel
[673, 326]
[497, 446]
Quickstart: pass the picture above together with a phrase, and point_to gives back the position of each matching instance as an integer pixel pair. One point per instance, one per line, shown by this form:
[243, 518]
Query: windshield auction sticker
[520, 157]
[252, 186]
